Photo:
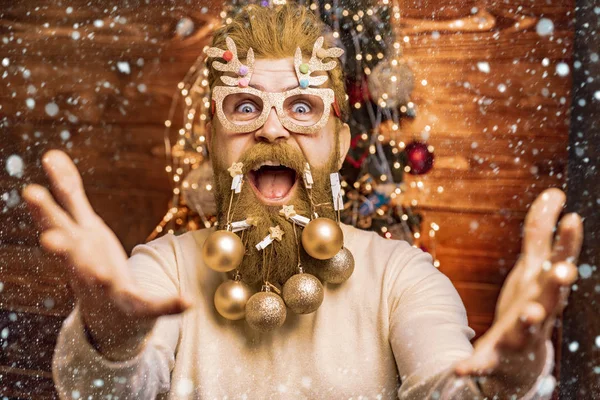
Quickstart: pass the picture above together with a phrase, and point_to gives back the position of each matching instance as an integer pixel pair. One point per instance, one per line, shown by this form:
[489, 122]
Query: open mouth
[272, 182]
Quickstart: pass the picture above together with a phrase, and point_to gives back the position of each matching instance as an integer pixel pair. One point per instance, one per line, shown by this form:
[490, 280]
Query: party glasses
[300, 110]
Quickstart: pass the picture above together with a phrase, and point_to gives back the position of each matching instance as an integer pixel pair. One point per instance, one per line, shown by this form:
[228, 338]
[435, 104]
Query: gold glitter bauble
[303, 293]
[231, 298]
[265, 311]
[322, 238]
[337, 269]
[223, 251]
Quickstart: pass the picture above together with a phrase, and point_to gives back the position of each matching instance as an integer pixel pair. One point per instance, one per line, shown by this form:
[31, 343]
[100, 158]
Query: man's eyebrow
[260, 87]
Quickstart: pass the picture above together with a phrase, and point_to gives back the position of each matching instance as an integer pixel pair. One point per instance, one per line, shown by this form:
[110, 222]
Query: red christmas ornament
[419, 158]
[358, 91]
[228, 56]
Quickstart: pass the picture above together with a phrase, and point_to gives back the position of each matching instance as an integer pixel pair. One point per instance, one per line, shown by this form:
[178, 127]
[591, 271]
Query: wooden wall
[495, 149]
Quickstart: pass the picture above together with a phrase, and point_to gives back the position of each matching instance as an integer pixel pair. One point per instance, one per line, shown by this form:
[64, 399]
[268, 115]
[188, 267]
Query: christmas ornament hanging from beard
[272, 171]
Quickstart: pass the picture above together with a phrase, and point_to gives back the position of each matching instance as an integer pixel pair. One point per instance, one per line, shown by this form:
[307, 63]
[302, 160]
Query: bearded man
[147, 326]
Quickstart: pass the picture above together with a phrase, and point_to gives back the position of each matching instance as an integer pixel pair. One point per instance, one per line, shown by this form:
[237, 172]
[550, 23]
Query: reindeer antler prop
[304, 70]
[234, 65]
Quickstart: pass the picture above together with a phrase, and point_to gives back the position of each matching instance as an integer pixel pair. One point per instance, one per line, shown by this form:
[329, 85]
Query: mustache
[282, 153]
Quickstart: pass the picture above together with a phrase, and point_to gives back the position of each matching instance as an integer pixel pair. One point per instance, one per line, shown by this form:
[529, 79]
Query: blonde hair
[276, 33]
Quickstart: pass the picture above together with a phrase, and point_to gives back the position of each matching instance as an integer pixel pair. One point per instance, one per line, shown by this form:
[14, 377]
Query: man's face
[275, 76]
[269, 187]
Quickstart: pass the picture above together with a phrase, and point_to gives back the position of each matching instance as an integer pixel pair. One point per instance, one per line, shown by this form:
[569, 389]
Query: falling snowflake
[484, 67]
[15, 165]
[544, 27]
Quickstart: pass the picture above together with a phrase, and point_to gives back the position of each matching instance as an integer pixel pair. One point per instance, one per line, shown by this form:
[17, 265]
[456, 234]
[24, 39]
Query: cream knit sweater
[392, 330]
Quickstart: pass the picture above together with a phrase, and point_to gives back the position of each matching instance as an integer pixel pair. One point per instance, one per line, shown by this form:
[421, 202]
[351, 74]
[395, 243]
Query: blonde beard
[280, 259]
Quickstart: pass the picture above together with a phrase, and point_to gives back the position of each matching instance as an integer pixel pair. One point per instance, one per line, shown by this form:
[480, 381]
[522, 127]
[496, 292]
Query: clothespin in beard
[243, 225]
[289, 213]
[336, 191]
[236, 172]
[275, 233]
[308, 178]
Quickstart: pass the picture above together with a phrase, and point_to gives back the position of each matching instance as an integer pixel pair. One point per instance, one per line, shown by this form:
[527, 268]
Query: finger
[569, 239]
[45, 211]
[540, 222]
[67, 185]
[554, 283]
[56, 241]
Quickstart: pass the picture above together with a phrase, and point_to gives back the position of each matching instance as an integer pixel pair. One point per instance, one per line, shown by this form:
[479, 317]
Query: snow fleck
[484, 67]
[65, 135]
[51, 109]
[98, 382]
[98, 23]
[307, 381]
[597, 95]
[142, 88]
[15, 165]
[573, 347]
[546, 62]
[594, 57]
[502, 88]
[424, 82]
[585, 271]
[49, 303]
[562, 69]
[75, 35]
[75, 394]
[69, 10]
[185, 27]
[1, 286]
[474, 225]
[11, 199]
[123, 67]
[544, 27]
[5, 62]
[4, 333]
[185, 387]
[546, 386]
[30, 103]
[26, 73]
[581, 102]
[435, 35]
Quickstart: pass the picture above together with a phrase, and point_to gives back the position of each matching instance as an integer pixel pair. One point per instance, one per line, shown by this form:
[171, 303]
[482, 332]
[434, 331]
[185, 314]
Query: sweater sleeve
[429, 333]
[80, 371]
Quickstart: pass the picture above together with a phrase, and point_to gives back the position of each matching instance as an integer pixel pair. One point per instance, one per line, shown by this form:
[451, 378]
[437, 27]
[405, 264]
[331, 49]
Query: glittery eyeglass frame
[270, 100]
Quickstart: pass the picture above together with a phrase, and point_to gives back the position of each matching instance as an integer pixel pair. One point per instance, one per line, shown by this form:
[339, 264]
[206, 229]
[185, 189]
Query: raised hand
[512, 352]
[117, 314]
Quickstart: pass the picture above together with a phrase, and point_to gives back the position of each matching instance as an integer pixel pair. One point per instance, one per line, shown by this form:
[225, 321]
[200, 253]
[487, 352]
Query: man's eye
[301, 108]
[246, 108]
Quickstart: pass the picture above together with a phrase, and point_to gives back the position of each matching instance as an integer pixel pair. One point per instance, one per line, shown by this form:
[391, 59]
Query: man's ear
[344, 142]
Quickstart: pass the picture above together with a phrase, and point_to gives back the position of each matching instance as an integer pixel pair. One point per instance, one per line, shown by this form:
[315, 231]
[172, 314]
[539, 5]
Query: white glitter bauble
[391, 83]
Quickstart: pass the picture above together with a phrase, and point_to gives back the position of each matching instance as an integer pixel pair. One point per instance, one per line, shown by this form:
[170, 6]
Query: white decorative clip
[276, 233]
[289, 213]
[336, 191]
[242, 225]
[308, 178]
[236, 172]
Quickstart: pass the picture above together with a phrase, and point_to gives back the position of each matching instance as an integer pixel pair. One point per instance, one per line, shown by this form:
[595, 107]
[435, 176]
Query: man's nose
[272, 131]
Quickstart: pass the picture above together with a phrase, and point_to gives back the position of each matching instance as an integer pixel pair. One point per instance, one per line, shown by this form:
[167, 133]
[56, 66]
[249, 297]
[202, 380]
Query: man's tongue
[274, 183]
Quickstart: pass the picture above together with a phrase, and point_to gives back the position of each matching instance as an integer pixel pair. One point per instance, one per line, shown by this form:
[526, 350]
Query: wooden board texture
[500, 138]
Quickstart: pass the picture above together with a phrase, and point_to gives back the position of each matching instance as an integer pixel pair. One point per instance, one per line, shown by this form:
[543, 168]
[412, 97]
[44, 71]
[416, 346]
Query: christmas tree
[378, 84]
